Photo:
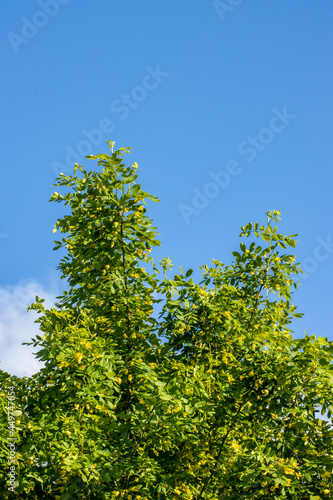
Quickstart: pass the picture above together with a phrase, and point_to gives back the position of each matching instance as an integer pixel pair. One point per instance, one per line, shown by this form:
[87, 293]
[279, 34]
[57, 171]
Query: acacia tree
[213, 399]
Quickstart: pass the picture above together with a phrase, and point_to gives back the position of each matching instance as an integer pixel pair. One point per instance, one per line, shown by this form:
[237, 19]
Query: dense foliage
[212, 399]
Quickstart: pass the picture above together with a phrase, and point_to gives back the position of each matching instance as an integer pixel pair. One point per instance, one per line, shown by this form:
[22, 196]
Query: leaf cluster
[211, 399]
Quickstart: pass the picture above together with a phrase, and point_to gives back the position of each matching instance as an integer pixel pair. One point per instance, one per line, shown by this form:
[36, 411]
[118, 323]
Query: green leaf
[265, 237]
[144, 404]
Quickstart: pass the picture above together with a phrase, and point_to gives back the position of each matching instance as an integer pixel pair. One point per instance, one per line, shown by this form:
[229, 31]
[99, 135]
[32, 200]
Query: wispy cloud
[17, 326]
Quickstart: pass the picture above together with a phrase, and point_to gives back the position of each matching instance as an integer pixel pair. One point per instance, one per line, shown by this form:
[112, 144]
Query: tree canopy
[211, 399]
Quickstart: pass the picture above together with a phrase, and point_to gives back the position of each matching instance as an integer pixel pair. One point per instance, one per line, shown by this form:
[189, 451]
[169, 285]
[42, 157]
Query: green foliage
[227, 407]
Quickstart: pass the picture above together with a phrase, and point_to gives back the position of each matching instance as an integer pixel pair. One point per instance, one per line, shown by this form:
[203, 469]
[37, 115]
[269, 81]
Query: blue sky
[228, 109]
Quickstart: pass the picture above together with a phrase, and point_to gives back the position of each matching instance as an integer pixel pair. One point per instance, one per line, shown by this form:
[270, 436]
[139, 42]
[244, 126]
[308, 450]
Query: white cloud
[17, 326]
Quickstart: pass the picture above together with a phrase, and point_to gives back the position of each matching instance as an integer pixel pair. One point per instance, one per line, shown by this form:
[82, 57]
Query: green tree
[213, 399]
